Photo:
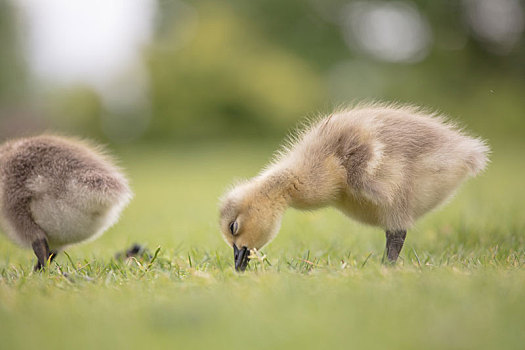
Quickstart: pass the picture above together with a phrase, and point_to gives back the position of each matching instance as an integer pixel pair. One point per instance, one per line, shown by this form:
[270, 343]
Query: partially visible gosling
[56, 191]
[380, 164]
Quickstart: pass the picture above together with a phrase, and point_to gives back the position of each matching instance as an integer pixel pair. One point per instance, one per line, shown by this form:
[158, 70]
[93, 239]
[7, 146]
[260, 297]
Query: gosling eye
[234, 227]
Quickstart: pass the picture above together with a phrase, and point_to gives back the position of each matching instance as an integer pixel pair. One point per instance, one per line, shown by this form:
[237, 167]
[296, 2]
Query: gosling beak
[241, 258]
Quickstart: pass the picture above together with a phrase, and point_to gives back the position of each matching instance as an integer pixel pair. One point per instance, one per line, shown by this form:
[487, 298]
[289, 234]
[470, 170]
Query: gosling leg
[41, 249]
[394, 244]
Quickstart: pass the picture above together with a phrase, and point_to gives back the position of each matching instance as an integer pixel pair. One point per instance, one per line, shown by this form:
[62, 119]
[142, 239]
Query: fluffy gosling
[56, 191]
[382, 165]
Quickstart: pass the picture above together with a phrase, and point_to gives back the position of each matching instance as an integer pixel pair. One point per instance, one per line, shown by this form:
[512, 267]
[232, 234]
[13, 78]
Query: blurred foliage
[237, 69]
[12, 78]
[227, 80]
[77, 108]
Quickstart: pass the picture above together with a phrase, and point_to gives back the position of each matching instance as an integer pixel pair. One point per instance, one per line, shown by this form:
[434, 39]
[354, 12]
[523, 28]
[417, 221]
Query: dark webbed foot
[394, 244]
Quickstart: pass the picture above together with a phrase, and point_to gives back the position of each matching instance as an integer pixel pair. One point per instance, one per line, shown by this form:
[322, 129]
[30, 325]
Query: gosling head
[250, 217]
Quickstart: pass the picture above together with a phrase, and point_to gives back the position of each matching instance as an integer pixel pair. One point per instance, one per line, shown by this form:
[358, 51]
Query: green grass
[460, 281]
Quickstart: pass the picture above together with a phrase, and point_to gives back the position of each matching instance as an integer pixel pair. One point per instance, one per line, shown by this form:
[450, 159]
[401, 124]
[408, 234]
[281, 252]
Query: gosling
[57, 191]
[383, 165]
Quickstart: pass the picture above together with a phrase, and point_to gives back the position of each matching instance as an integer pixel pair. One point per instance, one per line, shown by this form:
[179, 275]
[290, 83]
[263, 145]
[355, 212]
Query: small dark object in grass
[136, 250]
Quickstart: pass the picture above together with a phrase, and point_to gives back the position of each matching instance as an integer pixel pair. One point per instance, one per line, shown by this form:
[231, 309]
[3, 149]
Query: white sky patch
[98, 43]
[85, 40]
[390, 31]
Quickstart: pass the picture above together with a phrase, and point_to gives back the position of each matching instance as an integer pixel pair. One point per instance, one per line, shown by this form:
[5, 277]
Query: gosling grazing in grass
[383, 165]
[56, 191]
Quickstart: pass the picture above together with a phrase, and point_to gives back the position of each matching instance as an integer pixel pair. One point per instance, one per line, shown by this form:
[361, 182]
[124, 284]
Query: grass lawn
[459, 284]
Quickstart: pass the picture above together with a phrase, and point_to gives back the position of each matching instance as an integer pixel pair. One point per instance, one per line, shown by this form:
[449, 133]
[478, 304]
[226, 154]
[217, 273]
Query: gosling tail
[477, 155]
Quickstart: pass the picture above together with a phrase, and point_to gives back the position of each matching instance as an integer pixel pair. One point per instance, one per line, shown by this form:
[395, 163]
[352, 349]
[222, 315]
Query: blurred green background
[223, 70]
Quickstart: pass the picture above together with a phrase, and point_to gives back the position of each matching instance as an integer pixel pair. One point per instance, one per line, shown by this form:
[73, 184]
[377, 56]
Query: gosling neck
[280, 186]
